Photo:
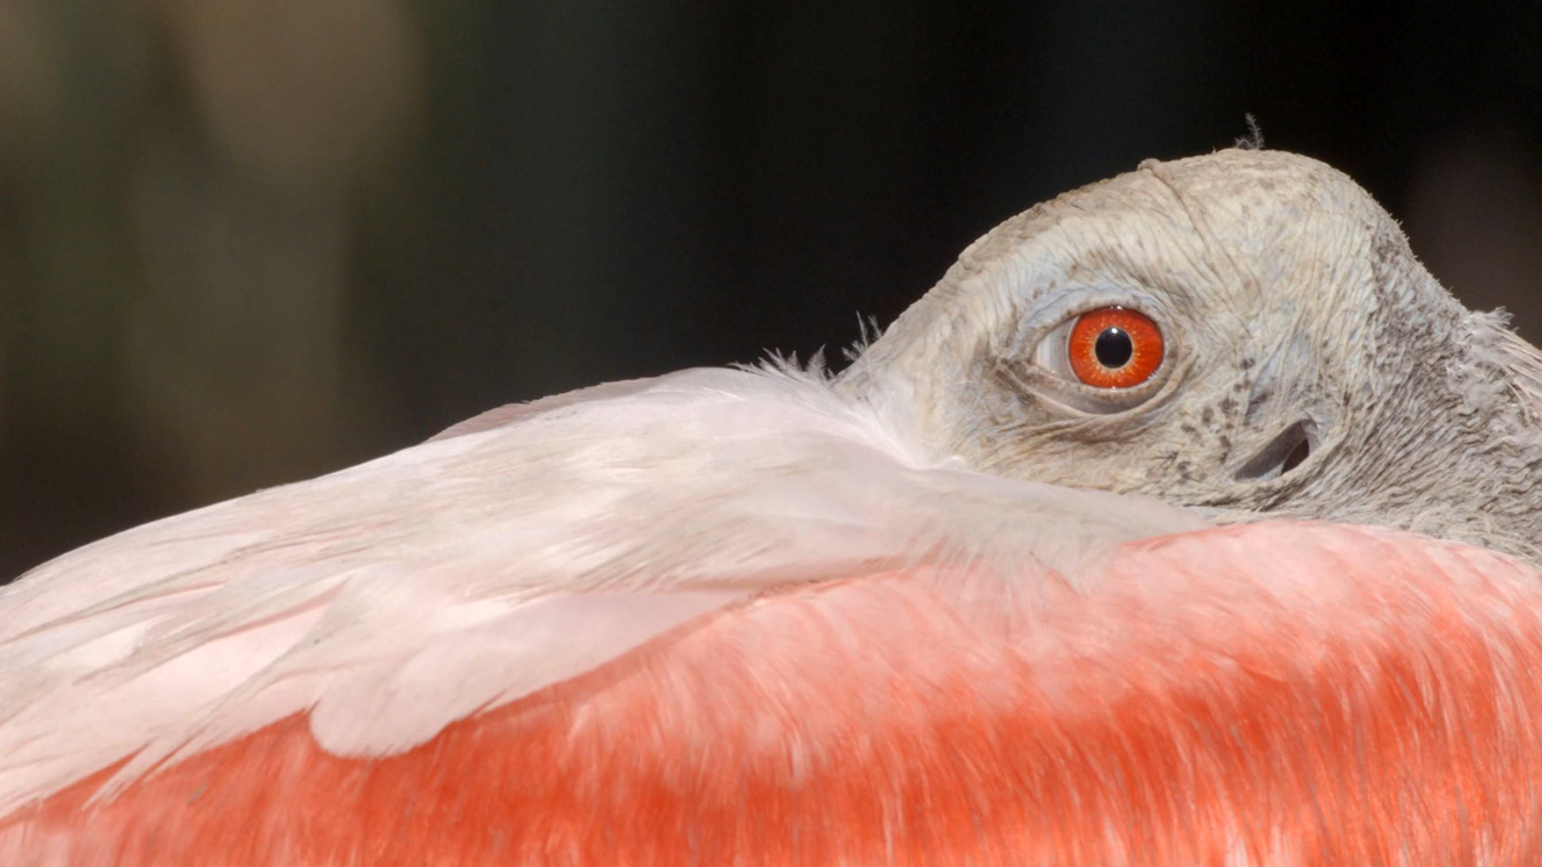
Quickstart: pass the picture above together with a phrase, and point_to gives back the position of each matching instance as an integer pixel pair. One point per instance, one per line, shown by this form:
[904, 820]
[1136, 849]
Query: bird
[1187, 520]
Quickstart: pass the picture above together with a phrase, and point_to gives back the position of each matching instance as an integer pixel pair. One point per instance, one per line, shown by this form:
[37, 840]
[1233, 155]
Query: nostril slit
[1284, 453]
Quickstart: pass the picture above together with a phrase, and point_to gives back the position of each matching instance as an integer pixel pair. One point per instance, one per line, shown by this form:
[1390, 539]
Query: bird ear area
[1289, 449]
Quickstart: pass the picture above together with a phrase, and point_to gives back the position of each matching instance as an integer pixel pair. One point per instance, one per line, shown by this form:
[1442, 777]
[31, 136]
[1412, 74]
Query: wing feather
[517, 551]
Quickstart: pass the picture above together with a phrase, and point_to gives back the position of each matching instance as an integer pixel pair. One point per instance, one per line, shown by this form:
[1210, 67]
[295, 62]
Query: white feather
[513, 552]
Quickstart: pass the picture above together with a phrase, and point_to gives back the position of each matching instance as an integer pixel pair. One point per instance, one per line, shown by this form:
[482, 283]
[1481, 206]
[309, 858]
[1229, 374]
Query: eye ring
[1113, 348]
[1046, 375]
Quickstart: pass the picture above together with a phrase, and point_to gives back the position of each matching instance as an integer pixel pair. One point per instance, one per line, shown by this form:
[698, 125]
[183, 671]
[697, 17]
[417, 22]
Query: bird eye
[1111, 347]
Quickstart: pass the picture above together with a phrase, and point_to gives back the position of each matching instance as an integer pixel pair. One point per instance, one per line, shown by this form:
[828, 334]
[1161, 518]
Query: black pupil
[1113, 348]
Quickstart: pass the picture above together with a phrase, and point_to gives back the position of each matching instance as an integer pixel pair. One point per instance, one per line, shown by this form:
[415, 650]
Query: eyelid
[1065, 303]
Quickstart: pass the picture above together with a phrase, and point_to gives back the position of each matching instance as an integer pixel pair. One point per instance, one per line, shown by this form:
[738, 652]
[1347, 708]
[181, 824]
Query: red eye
[1114, 348]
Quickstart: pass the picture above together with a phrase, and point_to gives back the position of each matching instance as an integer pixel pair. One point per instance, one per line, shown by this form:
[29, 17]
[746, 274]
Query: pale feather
[394, 597]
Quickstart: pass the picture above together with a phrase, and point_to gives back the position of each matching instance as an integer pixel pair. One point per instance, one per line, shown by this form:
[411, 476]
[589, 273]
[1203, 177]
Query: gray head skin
[1292, 310]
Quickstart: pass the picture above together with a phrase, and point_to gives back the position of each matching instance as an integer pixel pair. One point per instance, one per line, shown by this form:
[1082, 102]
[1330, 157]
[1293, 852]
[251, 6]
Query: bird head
[1246, 333]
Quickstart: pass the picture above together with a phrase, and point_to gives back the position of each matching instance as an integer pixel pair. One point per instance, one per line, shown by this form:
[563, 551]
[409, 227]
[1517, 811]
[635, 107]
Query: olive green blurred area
[243, 242]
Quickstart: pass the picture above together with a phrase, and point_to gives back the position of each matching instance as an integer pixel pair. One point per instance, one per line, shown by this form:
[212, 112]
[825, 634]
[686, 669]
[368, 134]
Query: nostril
[1282, 454]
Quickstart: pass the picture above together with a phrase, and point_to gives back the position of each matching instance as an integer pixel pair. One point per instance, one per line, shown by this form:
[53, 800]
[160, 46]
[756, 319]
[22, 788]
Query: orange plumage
[1368, 702]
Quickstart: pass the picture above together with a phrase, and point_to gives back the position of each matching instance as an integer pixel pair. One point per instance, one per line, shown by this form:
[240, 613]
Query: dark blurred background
[247, 241]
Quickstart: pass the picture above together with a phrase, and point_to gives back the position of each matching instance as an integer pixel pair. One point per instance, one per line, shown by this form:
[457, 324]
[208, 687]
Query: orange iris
[1114, 347]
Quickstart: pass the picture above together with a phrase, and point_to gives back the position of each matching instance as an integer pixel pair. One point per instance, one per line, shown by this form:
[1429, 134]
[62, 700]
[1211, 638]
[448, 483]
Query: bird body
[771, 616]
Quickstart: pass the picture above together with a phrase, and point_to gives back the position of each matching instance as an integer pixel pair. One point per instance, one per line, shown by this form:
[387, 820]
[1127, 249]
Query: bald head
[1309, 365]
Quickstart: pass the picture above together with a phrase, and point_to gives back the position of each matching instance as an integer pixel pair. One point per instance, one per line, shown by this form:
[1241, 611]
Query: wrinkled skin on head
[1296, 322]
